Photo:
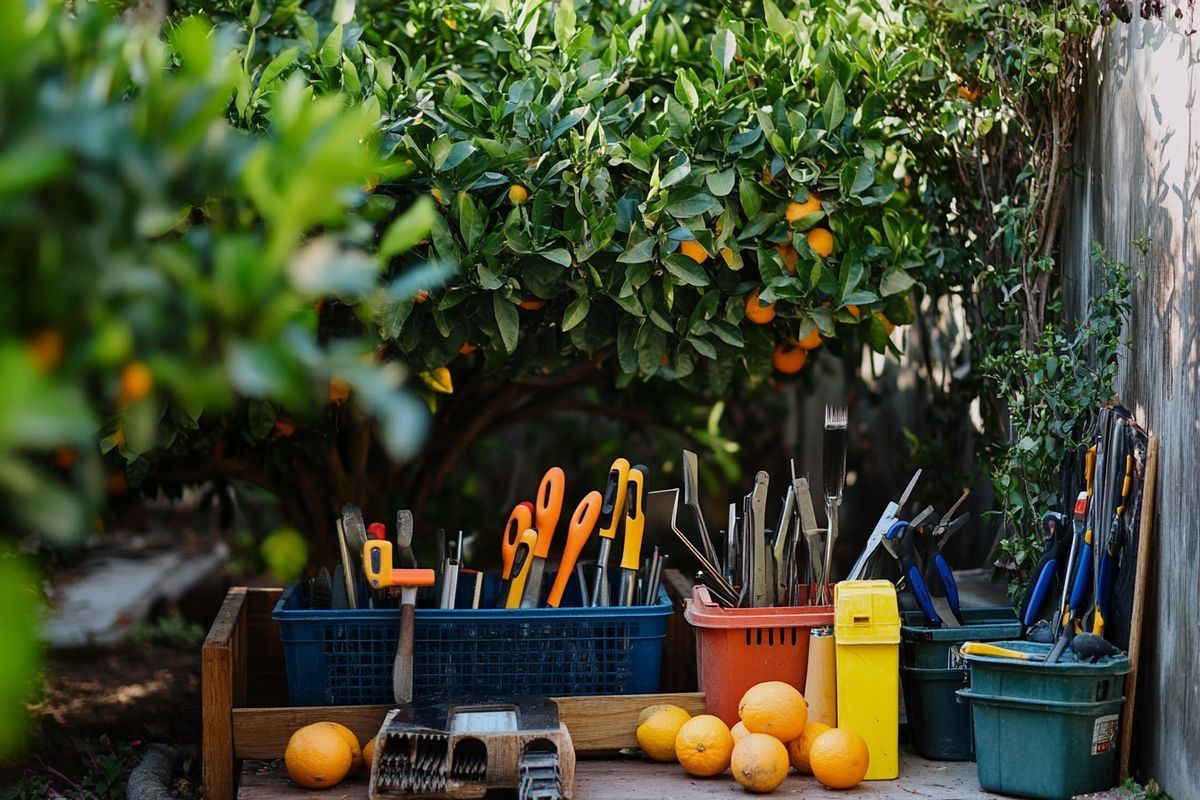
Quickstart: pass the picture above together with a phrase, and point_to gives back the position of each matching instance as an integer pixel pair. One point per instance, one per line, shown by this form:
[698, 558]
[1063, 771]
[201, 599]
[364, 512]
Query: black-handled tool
[1050, 567]
[1108, 559]
[905, 549]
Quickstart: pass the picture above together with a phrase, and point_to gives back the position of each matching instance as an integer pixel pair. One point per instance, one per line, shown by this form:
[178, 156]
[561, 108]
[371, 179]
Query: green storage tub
[1045, 730]
[939, 723]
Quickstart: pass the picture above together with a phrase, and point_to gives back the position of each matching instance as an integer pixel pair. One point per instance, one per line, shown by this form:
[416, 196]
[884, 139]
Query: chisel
[611, 511]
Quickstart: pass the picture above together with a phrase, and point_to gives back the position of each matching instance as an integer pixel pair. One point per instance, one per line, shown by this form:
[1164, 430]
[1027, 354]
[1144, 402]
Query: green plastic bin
[1034, 740]
[939, 723]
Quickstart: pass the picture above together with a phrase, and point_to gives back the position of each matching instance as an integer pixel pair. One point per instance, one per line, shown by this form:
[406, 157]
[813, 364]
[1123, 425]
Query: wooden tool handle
[402, 669]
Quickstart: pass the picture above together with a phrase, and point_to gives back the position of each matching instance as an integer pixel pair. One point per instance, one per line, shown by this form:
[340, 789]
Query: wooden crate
[246, 716]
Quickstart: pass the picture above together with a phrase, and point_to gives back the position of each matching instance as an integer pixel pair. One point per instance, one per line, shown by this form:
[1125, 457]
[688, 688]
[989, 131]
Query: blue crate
[345, 657]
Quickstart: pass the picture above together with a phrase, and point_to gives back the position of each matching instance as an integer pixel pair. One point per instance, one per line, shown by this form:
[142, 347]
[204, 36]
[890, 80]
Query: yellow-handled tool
[982, 649]
[583, 522]
[611, 512]
[377, 564]
[635, 526]
[522, 563]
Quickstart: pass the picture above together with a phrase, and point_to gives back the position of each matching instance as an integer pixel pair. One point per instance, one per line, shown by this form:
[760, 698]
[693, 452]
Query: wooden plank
[637, 779]
[217, 670]
[597, 724]
[1145, 531]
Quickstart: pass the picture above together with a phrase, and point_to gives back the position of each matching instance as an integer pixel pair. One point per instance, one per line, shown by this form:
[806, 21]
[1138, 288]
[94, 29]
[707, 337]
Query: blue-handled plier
[1050, 569]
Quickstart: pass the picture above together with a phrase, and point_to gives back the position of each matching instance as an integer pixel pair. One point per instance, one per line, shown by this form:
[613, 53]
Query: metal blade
[758, 530]
[691, 499]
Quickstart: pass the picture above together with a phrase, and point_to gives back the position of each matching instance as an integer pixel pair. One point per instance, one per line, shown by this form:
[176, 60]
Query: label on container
[1104, 734]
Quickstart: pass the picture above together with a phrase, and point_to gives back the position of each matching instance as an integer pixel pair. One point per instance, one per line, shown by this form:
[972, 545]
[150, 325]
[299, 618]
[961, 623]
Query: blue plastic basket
[345, 657]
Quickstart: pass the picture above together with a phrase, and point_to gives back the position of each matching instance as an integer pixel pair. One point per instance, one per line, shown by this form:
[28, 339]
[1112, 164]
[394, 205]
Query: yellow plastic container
[867, 632]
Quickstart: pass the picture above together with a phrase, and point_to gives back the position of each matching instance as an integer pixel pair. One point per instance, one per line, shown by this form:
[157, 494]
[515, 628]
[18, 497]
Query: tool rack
[246, 717]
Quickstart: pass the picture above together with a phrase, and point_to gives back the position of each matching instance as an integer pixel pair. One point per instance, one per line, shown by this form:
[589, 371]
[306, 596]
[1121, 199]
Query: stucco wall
[1138, 151]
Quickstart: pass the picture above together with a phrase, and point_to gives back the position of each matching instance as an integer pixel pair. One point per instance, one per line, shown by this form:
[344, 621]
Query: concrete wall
[1138, 150]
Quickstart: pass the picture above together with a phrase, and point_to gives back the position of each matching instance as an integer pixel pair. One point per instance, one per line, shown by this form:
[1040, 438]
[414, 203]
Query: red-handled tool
[546, 513]
[377, 530]
[583, 522]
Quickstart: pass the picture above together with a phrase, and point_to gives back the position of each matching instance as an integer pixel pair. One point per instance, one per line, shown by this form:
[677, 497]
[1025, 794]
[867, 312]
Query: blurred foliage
[107, 765]
[20, 651]
[171, 630]
[285, 552]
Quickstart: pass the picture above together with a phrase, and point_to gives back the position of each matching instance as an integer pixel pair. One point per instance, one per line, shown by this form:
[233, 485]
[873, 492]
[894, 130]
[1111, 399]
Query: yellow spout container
[867, 632]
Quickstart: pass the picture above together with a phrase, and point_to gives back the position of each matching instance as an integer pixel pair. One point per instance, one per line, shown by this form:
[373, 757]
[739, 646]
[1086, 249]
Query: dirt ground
[98, 708]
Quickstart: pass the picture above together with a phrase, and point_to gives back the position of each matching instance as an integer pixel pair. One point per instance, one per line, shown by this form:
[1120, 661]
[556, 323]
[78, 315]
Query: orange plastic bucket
[739, 647]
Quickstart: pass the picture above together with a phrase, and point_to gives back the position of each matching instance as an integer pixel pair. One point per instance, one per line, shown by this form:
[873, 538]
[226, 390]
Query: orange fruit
[284, 427]
[466, 349]
[136, 382]
[789, 255]
[739, 731]
[969, 93]
[517, 194]
[45, 349]
[798, 211]
[789, 358]
[531, 303]
[821, 241]
[798, 748]
[339, 391]
[839, 758]
[317, 756]
[421, 296]
[888, 325]
[704, 746]
[656, 733]
[774, 707]
[368, 753]
[356, 758]
[812, 340]
[694, 250]
[757, 312]
[65, 457]
[760, 762]
[854, 312]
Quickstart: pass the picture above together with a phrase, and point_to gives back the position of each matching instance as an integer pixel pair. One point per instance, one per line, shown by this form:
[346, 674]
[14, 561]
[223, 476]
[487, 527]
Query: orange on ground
[368, 753]
[656, 734]
[760, 762]
[888, 325]
[821, 241]
[812, 339]
[466, 349]
[45, 349]
[839, 758]
[356, 759]
[136, 382]
[739, 731]
[694, 250]
[789, 358]
[774, 707]
[517, 194]
[757, 312]
[532, 303]
[789, 255]
[704, 746]
[317, 757]
[798, 747]
[797, 211]
[339, 391]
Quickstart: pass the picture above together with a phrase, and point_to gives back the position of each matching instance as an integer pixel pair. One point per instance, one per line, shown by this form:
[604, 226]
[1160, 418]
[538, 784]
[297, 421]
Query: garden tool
[377, 566]
[939, 578]
[453, 564]
[834, 473]
[875, 540]
[347, 570]
[901, 538]
[1050, 567]
[820, 688]
[652, 585]
[1111, 551]
[812, 535]
[583, 522]
[376, 530]
[731, 544]
[760, 596]
[653, 499]
[691, 499]
[1063, 624]
[522, 561]
[546, 513]
[994, 651]
[404, 537]
[611, 510]
[635, 526]
[321, 595]
[519, 521]
[779, 546]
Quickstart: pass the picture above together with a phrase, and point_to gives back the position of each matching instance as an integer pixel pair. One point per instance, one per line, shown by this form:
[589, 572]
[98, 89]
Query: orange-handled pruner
[583, 522]
[520, 520]
[522, 562]
[377, 564]
[549, 508]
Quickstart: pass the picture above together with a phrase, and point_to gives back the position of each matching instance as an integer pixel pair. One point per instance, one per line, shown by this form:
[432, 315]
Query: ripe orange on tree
[798, 211]
[466, 349]
[517, 194]
[811, 340]
[136, 382]
[789, 255]
[694, 250]
[760, 762]
[532, 303]
[821, 241]
[789, 358]
[759, 313]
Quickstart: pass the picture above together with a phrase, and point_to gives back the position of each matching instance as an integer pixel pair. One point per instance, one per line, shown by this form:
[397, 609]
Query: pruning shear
[901, 542]
[1052, 566]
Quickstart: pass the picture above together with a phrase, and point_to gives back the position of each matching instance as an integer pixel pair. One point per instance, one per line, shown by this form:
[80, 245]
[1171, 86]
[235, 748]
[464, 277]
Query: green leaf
[564, 23]
[448, 155]
[470, 223]
[260, 420]
[686, 270]
[835, 106]
[409, 228]
[724, 48]
[343, 11]
[331, 51]
[749, 198]
[776, 22]
[576, 312]
[865, 177]
[558, 255]
[895, 281]
[393, 316]
[679, 169]
[508, 321]
[270, 74]
[721, 183]
[702, 347]
[692, 206]
[685, 91]
[640, 248]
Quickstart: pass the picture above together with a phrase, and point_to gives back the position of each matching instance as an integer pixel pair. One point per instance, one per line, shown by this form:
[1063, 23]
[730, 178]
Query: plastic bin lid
[986, 622]
[1067, 665]
[702, 611]
[866, 612]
